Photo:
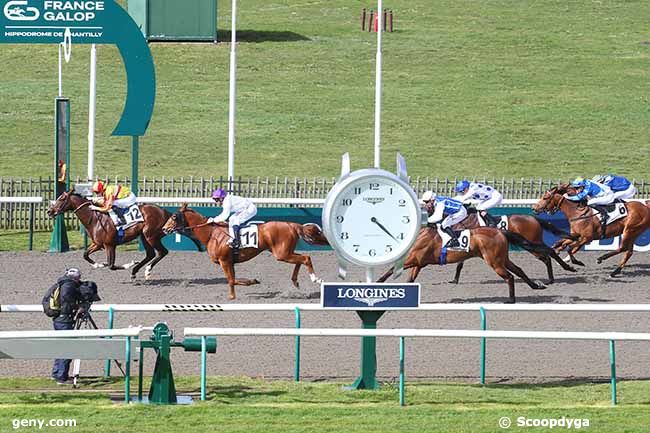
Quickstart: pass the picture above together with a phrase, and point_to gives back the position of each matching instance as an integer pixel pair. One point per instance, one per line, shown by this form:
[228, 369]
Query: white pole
[380, 29]
[233, 94]
[60, 72]
[92, 105]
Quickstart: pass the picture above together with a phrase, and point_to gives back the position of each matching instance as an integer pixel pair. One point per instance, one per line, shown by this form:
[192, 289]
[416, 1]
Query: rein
[86, 203]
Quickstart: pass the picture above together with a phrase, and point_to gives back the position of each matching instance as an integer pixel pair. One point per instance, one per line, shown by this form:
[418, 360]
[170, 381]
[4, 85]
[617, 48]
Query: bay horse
[279, 237]
[489, 243]
[585, 225]
[102, 232]
[530, 228]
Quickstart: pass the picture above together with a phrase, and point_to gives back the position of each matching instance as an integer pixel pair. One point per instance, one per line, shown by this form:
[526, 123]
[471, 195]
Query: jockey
[598, 196]
[243, 210]
[484, 196]
[622, 188]
[451, 210]
[117, 197]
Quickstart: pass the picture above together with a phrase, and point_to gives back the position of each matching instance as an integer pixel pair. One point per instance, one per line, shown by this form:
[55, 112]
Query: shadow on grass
[234, 393]
[256, 36]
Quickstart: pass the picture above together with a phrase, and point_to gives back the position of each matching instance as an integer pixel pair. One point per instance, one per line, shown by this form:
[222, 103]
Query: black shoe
[236, 241]
[453, 242]
[489, 219]
[120, 215]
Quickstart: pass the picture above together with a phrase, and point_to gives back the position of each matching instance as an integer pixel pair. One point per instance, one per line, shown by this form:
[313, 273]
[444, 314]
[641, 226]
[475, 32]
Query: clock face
[373, 219]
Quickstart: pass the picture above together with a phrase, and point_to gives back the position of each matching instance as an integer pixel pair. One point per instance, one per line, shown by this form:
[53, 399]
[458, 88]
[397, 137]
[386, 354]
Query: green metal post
[59, 240]
[107, 367]
[127, 372]
[402, 397]
[135, 156]
[30, 243]
[163, 390]
[367, 379]
[483, 328]
[140, 372]
[296, 373]
[204, 369]
[612, 365]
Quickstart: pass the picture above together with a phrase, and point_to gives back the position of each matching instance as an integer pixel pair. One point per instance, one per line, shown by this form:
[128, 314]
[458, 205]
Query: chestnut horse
[279, 237]
[103, 234]
[489, 243]
[531, 229]
[585, 225]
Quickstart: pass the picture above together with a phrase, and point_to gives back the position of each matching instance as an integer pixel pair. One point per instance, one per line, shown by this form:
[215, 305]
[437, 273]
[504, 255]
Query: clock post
[371, 218]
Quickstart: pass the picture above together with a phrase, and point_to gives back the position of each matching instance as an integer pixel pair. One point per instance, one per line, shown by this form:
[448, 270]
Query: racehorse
[279, 237]
[531, 229]
[489, 243]
[585, 225]
[103, 233]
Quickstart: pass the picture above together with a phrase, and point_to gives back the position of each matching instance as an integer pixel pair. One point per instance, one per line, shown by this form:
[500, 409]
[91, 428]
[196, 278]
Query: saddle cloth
[464, 238]
[247, 234]
[132, 215]
[501, 225]
[615, 212]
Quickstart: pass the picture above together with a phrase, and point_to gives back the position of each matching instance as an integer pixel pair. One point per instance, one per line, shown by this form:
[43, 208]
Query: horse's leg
[161, 252]
[229, 271]
[294, 276]
[92, 249]
[297, 259]
[627, 244]
[110, 258]
[414, 274]
[501, 271]
[521, 274]
[549, 266]
[459, 267]
[386, 275]
[151, 253]
[623, 247]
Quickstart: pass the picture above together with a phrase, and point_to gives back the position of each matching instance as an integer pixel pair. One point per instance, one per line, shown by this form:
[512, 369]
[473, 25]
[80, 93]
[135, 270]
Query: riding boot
[453, 242]
[236, 241]
[120, 215]
[489, 219]
[603, 217]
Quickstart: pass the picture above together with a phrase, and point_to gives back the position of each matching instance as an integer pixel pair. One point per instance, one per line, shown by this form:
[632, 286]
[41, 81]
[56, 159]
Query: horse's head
[176, 222]
[62, 204]
[550, 201]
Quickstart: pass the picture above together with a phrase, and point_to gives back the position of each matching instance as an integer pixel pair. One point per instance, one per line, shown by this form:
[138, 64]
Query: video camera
[87, 295]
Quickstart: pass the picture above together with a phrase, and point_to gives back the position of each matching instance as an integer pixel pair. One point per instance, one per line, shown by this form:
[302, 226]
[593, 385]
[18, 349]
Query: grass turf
[257, 405]
[494, 88]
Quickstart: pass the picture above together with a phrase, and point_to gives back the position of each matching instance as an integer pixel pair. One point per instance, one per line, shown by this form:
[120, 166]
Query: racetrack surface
[189, 277]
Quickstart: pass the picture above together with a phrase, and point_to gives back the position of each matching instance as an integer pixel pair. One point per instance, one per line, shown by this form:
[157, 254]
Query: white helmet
[428, 196]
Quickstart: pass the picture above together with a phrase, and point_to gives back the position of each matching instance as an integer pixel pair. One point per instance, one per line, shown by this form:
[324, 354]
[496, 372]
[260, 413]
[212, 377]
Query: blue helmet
[462, 185]
[578, 182]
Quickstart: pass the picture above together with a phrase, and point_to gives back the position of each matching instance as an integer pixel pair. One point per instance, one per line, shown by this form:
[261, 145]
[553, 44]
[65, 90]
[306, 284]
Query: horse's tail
[556, 231]
[533, 247]
[311, 233]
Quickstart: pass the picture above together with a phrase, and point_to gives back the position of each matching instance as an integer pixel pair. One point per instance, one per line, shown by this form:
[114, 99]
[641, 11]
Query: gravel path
[188, 277]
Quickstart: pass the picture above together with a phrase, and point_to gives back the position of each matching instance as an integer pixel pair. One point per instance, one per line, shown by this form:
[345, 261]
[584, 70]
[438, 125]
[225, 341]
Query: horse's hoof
[132, 277]
[616, 273]
[599, 261]
[295, 284]
[98, 265]
[509, 301]
[256, 282]
[232, 297]
[578, 262]
[539, 286]
[453, 282]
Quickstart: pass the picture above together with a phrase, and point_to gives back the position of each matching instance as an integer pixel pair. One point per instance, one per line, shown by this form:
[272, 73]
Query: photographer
[68, 301]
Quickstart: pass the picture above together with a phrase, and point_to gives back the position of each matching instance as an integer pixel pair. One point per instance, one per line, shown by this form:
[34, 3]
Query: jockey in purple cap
[242, 209]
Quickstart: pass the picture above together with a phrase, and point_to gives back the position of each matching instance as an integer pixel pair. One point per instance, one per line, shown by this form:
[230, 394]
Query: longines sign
[370, 296]
[89, 22]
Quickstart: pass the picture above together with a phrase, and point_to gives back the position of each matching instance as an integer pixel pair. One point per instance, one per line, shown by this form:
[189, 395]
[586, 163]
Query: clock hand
[374, 220]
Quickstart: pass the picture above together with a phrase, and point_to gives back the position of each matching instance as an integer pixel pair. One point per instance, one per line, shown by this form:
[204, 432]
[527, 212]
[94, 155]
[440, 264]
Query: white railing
[77, 333]
[32, 201]
[612, 337]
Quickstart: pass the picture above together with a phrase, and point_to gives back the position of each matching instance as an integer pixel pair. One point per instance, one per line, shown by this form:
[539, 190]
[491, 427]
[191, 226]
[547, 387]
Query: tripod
[85, 321]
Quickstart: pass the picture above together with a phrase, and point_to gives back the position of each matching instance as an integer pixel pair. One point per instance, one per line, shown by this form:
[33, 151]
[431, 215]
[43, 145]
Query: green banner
[89, 22]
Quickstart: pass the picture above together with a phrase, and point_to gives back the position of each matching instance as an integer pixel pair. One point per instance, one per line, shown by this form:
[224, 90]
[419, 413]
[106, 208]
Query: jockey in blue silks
[622, 188]
[597, 195]
[451, 210]
[483, 196]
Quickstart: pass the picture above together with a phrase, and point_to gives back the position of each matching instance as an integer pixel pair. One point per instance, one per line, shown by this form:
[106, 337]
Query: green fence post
[127, 372]
[612, 365]
[402, 397]
[483, 328]
[107, 367]
[296, 373]
[203, 367]
[30, 243]
[140, 372]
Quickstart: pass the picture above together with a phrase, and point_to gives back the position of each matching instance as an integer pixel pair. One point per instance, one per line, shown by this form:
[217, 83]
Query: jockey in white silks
[485, 197]
[242, 210]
